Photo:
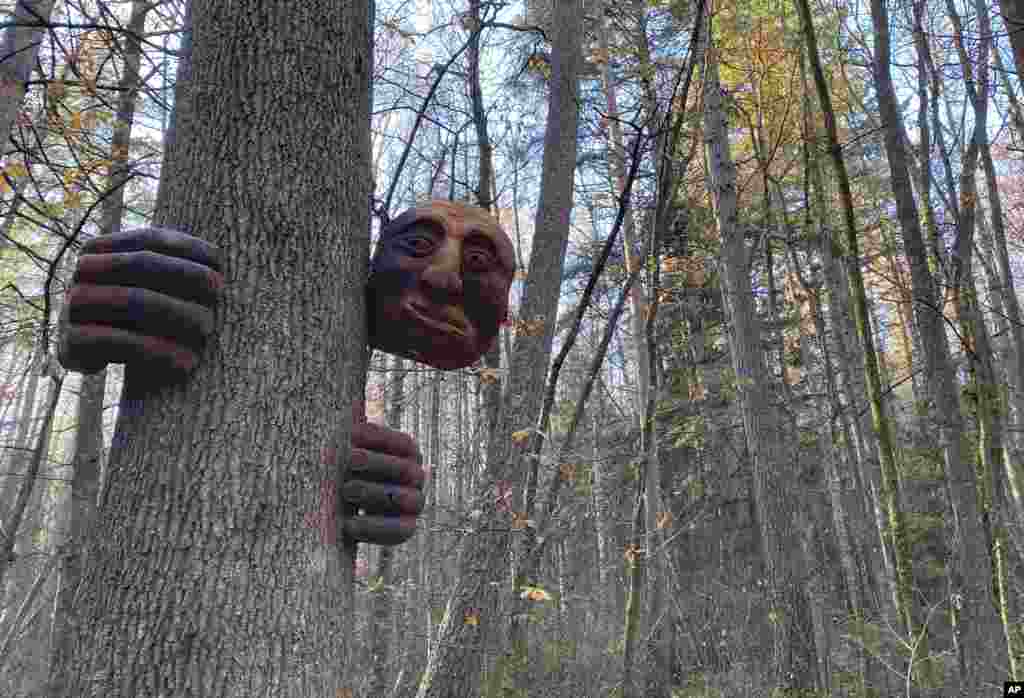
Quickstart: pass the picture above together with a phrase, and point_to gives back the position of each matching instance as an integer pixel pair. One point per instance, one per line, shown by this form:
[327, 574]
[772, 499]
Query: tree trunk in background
[87, 458]
[455, 662]
[617, 167]
[205, 576]
[483, 140]
[867, 518]
[605, 518]
[975, 621]
[382, 601]
[905, 603]
[18, 49]
[28, 393]
[793, 664]
[1013, 356]
[432, 573]
[1013, 18]
[639, 307]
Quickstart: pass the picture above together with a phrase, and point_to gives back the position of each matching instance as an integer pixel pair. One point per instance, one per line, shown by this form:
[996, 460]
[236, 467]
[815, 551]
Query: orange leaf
[663, 519]
[535, 594]
[519, 521]
[56, 89]
[632, 552]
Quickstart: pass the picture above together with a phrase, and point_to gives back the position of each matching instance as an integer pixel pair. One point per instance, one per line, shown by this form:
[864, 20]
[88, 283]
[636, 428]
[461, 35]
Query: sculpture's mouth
[439, 320]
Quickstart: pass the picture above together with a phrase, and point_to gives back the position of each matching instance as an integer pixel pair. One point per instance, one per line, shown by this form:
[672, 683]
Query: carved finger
[140, 310]
[381, 530]
[375, 437]
[378, 498]
[384, 467]
[162, 240]
[172, 276]
[93, 345]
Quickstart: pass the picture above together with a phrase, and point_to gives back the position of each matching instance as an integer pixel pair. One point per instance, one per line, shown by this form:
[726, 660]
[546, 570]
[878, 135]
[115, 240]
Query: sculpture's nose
[444, 275]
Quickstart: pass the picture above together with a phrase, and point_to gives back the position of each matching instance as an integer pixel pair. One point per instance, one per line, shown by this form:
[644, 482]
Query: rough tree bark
[214, 569]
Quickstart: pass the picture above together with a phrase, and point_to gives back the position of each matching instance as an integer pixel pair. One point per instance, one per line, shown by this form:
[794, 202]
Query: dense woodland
[755, 427]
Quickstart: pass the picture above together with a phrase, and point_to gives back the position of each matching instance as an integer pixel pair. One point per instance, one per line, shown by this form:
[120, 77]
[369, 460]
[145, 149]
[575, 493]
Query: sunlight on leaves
[16, 169]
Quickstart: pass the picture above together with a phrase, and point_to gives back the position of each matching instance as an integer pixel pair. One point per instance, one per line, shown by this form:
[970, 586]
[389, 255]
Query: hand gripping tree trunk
[205, 577]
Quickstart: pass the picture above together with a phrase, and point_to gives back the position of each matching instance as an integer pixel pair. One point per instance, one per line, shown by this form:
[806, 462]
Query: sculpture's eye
[417, 244]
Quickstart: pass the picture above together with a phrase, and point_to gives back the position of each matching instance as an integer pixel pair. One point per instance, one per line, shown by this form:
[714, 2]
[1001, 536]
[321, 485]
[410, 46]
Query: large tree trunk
[203, 577]
[793, 665]
[455, 662]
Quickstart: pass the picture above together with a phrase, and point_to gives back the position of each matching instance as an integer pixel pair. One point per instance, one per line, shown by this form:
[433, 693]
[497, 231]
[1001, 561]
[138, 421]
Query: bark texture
[216, 568]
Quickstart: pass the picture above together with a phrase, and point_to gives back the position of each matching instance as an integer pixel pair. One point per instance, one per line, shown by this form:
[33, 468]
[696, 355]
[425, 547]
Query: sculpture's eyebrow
[421, 226]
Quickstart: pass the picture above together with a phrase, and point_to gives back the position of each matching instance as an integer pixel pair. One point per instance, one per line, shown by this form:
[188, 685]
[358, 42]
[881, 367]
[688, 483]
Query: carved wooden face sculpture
[438, 286]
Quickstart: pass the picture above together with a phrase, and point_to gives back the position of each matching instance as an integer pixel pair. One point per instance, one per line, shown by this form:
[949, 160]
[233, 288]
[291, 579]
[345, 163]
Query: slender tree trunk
[382, 602]
[1014, 359]
[20, 46]
[1013, 18]
[87, 460]
[793, 665]
[455, 662]
[976, 624]
[205, 576]
[483, 193]
[27, 485]
[905, 603]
